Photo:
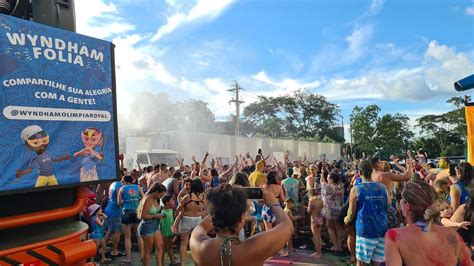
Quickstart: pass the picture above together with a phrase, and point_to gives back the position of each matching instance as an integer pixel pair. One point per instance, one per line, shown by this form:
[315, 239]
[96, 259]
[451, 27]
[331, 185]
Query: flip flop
[126, 261]
[105, 261]
[119, 254]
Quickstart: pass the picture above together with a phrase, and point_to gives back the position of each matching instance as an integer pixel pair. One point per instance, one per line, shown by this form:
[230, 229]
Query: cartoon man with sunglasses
[37, 140]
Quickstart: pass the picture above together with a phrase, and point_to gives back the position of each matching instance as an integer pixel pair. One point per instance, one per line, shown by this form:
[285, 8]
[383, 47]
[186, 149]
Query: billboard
[57, 100]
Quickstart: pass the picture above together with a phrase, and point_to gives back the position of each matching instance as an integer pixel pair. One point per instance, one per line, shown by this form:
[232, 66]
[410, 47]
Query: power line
[236, 88]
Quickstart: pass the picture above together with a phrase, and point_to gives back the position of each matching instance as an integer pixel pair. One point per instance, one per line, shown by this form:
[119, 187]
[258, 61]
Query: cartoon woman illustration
[91, 137]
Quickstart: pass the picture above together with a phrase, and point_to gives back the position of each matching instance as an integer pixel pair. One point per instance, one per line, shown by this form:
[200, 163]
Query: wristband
[274, 204]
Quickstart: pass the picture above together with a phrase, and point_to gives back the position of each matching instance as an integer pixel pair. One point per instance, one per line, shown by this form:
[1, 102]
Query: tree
[308, 115]
[273, 127]
[152, 112]
[302, 115]
[447, 130]
[387, 135]
[364, 126]
[393, 135]
[428, 144]
[256, 113]
[194, 116]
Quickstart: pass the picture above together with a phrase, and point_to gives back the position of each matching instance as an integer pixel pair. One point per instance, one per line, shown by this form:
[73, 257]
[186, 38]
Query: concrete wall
[188, 144]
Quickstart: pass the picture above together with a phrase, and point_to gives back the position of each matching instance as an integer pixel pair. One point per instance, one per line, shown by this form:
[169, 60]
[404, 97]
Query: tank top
[153, 210]
[131, 197]
[464, 193]
[113, 209]
[215, 181]
[372, 207]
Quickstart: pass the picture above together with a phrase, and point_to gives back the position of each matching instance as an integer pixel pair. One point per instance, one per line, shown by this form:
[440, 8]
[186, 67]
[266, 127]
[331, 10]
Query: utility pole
[236, 88]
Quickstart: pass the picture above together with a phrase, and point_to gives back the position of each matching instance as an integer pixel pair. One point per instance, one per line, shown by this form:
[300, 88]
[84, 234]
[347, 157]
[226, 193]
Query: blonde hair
[443, 163]
[386, 166]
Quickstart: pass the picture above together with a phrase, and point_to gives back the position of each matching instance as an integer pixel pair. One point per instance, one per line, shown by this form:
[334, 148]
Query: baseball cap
[93, 209]
[30, 131]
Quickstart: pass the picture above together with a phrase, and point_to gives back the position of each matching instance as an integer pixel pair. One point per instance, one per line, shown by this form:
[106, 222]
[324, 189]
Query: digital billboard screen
[57, 101]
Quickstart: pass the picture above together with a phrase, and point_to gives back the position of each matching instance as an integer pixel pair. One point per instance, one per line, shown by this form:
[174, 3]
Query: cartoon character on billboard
[91, 137]
[36, 139]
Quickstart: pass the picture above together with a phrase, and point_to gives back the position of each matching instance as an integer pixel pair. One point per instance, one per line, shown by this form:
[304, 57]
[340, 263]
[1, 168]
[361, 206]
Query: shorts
[98, 234]
[130, 217]
[46, 180]
[368, 249]
[88, 175]
[392, 218]
[267, 214]
[148, 227]
[188, 223]
[114, 225]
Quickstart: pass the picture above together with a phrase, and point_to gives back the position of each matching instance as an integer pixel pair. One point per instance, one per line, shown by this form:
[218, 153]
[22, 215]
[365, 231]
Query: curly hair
[226, 206]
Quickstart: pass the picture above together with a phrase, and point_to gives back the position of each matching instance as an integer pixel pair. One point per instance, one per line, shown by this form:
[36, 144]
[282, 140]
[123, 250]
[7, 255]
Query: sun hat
[93, 209]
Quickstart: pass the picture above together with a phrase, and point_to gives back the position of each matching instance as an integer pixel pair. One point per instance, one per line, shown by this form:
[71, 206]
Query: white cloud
[357, 41]
[98, 19]
[434, 77]
[284, 86]
[139, 70]
[203, 10]
[470, 11]
[444, 66]
[375, 7]
[333, 56]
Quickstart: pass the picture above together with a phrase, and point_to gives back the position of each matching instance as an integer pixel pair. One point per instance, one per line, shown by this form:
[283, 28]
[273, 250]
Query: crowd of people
[397, 212]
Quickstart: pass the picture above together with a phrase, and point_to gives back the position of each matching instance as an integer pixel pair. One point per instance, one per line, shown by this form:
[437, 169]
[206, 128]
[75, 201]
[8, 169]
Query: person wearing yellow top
[258, 178]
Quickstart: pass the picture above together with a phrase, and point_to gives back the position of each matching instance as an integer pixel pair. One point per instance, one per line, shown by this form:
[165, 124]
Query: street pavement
[300, 257]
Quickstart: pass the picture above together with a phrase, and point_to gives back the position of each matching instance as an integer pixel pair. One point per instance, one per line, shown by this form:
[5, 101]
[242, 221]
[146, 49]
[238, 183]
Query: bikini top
[226, 249]
[422, 225]
[195, 201]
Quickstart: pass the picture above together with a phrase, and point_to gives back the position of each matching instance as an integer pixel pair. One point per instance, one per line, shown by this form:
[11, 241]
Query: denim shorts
[114, 225]
[130, 217]
[148, 227]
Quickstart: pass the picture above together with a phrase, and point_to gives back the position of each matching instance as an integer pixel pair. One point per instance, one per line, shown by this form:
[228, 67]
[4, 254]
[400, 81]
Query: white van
[151, 157]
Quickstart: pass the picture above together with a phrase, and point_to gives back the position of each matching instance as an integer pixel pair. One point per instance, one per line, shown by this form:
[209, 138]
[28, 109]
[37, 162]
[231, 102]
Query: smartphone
[253, 192]
[260, 151]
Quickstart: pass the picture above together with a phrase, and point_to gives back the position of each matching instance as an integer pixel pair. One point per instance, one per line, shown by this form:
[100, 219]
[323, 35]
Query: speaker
[466, 83]
[55, 13]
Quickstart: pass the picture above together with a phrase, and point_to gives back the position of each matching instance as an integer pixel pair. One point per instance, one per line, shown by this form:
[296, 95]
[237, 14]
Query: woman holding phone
[227, 220]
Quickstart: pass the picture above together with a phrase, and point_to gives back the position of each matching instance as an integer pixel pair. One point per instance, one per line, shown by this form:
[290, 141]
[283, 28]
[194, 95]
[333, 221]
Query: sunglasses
[35, 143]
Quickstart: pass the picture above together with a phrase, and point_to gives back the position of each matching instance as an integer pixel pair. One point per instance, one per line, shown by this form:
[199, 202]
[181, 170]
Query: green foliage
[154, 112]
[389, 134]
[302, 115]
[448, 130]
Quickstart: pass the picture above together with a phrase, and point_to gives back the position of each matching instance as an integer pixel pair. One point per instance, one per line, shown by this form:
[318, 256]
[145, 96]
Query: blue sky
[402, 55]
